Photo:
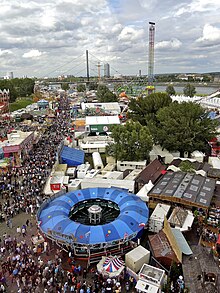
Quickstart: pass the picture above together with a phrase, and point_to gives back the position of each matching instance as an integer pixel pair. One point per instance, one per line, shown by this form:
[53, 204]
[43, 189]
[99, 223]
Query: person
[65, 287]
[2, 288]
[127, 287]
[19, 230]
[23, 231]
[131, 279]
[84, 273]
[10, 223]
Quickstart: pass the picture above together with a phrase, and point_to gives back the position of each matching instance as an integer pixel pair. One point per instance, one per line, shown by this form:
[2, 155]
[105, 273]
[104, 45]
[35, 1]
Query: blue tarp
[71, 157]
[133, 213]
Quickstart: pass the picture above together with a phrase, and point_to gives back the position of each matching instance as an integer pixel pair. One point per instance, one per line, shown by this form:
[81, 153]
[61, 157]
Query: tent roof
[54, 216]
[181, 241]
[112, 264]
[151, 172]
[71, 156]
[94, 120]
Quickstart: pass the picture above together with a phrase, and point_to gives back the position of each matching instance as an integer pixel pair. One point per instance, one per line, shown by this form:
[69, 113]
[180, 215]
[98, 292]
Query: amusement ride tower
[150, 86]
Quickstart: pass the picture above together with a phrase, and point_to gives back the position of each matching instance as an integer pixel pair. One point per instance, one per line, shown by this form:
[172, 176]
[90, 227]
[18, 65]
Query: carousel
[93, 221]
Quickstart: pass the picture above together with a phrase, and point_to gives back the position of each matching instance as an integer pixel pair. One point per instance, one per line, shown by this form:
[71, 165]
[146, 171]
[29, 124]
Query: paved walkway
[18, 220]
[195, 266]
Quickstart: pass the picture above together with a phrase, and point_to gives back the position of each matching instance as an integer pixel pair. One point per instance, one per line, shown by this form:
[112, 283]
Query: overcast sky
[49, 37]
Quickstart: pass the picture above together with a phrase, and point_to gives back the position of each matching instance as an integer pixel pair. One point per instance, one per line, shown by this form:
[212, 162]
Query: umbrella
[110, 266]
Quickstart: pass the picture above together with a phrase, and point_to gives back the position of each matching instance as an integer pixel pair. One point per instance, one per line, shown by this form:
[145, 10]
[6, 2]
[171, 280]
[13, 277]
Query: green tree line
[18, 87]
[155, 119]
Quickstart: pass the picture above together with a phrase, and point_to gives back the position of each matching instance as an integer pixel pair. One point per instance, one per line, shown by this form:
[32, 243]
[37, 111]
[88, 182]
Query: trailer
[97, 161]
[131, 165]
[136, 258]
[157, 217]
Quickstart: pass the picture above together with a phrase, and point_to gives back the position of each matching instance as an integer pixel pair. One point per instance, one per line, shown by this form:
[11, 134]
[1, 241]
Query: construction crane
[150, 87]
[99, 71]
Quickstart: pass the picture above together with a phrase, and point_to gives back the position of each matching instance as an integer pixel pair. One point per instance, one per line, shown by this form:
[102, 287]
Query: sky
[50, 37]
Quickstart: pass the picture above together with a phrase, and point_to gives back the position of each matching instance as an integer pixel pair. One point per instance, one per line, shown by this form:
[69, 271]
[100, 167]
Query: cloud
[172, 44]
[210, 34]
[130, 34]
[116, 31]
[198, 6]
[32, 54]
[4, 52]
[48, 19]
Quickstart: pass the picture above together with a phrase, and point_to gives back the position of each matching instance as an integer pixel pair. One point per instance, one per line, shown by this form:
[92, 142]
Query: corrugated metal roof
[187, 186]
[181, 241]
[71, 156]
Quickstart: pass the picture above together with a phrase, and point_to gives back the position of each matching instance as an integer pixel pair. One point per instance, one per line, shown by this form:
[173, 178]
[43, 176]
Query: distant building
[4, 101]
[54, 86]
[106, 70]
[9, 75]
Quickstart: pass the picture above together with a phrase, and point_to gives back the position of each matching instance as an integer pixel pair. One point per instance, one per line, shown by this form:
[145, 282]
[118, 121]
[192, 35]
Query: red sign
[11, 149]
[55, 186]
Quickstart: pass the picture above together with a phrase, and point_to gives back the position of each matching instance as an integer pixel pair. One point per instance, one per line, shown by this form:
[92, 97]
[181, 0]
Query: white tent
[143, 192]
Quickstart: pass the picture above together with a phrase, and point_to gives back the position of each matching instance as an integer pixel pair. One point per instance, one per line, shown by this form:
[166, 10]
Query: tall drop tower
[150, 86]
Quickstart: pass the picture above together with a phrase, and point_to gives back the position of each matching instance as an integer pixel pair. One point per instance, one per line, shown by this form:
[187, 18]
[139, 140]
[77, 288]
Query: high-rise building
[9, 75]
[106, 70]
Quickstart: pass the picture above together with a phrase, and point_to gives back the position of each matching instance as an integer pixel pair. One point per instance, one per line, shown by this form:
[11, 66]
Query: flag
[87, 234]
[141, 225]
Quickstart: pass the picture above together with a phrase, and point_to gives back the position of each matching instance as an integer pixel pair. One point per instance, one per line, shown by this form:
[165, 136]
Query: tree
[189, 90]
[132, 142]
[184, 127]
[186, 166]
[118, 87]
[144, 109]
[23, 86]
[93, 86]
[170, 90]
[81, 88]
[104, 95]
[37, 96]
[65, 86]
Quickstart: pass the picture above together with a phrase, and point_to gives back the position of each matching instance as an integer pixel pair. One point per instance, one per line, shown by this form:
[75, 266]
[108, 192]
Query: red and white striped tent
[110, 266]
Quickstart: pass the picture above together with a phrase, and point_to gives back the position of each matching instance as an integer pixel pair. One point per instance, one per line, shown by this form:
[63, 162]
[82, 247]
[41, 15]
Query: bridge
[211, 101]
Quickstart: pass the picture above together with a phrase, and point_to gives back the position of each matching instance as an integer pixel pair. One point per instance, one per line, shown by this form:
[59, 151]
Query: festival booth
[110, 267]
[17, 146]
[43, 104]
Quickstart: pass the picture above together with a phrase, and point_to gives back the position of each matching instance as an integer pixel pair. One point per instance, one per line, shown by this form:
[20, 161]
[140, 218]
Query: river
[200, 90]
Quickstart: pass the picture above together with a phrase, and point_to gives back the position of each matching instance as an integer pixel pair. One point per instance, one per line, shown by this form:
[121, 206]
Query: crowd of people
[22, 188]
[28, 272]
[23, 269]
[209, 236]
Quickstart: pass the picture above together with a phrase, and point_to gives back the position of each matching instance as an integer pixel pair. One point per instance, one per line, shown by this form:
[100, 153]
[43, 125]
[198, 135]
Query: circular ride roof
[54, 217]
